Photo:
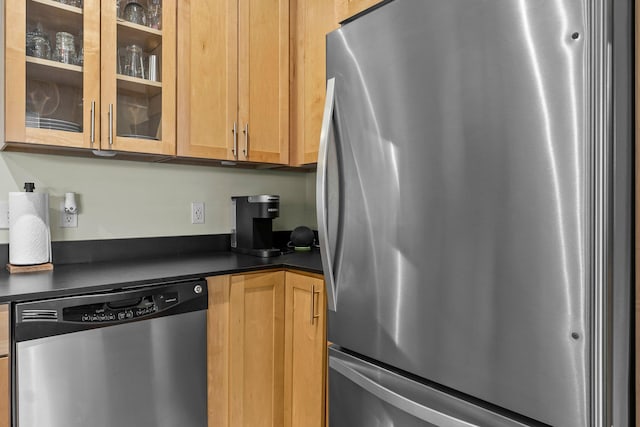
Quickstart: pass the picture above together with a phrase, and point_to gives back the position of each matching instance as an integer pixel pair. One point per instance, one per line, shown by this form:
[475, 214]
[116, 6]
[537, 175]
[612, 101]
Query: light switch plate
[4, 215]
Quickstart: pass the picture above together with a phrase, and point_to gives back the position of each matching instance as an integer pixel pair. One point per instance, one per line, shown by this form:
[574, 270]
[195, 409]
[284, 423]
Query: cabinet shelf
[137, 85]
[52, 71]
[140, 86]
[56, 15]
[130, 33]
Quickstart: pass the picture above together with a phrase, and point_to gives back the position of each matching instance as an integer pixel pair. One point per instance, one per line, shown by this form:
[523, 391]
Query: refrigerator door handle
[394, 398]
[321, 195]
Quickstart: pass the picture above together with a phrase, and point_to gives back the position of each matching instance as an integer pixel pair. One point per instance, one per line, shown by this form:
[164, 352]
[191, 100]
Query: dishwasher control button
[129, 314]
[121, 315]
[197, 289]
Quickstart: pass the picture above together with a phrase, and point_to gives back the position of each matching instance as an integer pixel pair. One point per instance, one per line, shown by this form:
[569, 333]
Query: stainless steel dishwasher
[135, 357]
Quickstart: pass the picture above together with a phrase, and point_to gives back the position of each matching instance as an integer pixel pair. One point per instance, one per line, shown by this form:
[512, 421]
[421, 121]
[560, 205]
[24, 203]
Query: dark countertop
[73, 279]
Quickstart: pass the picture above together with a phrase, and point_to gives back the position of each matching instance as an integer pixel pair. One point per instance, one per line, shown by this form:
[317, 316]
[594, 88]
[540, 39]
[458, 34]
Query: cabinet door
[263, 73]
[52, 95]
[305, 350]
[256, 345]
[208, 78]
[345, 9]
[311, 20]
[138, 98]
[218, 351]
[5, 392]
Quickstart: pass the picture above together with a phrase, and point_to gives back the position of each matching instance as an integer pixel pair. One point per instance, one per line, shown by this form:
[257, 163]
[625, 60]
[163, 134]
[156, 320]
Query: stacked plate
[54, 124]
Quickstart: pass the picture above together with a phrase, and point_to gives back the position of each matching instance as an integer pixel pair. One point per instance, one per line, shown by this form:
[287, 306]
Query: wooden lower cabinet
[266, 359]
[256, 333]
[246, 350]
[305, 351]
[4, 392]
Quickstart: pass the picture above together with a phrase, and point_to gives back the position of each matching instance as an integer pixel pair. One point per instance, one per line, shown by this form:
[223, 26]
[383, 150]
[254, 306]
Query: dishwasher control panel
[126, 309]
[65, 315]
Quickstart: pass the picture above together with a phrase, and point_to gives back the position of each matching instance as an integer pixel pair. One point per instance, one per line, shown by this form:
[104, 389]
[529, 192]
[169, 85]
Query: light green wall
[119, 199]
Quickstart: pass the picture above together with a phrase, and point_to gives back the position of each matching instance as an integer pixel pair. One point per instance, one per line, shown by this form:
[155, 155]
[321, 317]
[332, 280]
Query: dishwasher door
[133, 361]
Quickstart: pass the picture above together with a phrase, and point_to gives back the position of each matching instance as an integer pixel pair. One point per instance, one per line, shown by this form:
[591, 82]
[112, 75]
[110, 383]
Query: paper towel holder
[47, 266]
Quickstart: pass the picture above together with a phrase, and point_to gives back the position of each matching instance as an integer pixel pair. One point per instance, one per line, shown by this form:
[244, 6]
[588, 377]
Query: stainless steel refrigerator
[474, 211]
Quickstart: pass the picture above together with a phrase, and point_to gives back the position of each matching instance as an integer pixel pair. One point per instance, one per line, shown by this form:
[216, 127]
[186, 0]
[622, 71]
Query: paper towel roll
[29, 233]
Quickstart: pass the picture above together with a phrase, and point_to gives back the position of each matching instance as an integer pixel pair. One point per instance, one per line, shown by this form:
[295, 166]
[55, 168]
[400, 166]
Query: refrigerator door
[363, 394]
[456, 208]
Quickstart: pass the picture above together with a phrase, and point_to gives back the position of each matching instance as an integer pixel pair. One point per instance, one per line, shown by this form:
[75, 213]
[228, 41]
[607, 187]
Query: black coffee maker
[252, 231]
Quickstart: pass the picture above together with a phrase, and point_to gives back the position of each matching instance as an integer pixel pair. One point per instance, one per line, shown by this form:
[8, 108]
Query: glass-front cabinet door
[52, 60]
[138, 89]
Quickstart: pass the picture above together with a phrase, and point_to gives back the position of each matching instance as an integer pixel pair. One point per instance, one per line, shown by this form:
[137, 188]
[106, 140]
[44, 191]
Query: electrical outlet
[197, 212]
[4, 215]
[68, 220]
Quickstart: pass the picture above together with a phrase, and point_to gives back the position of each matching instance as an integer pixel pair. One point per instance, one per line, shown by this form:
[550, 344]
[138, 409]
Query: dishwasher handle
[39, 319]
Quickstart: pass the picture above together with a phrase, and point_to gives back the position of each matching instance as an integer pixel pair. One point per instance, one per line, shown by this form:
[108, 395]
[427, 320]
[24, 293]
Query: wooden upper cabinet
[207, 78]
[345, 9]
[263, 78]
[305, 351]
[233, 101]
[48, 101]
[311, 20]
[138, 102]
[69, 82]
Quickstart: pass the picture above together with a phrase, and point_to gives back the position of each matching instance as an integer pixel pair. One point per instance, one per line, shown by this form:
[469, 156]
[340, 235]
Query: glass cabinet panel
[48, 101]
[54, 65]
[96, 74]
[142, 106]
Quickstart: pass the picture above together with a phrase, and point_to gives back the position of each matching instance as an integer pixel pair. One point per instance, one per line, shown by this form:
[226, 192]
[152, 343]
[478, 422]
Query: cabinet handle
[234, 150]
[92, 132]
[246, 141]
[313, 304]
[110, 124]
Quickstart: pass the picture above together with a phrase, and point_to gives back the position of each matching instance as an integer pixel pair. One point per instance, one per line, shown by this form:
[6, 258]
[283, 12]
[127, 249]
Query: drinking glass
[134, 12]
[38, 31]
[80, 50]
[65, 48]
[41, 47]
[154, 14]
[134, 62]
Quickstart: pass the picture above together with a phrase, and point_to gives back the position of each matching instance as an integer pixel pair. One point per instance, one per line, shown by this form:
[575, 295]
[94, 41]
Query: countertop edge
[70, 279]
